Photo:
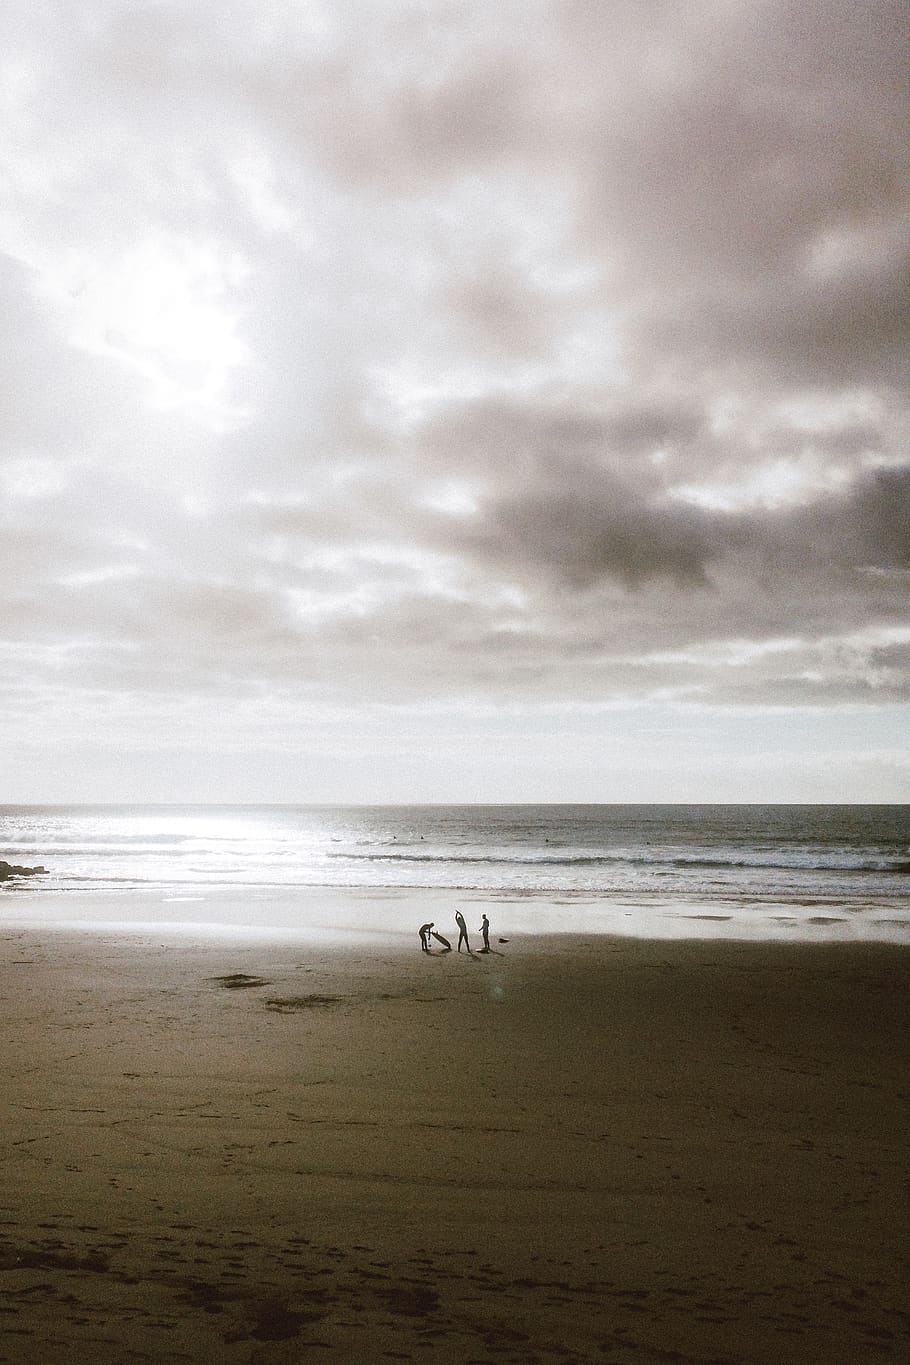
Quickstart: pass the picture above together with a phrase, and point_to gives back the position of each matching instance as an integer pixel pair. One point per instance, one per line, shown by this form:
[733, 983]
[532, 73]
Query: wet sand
[289, 1150]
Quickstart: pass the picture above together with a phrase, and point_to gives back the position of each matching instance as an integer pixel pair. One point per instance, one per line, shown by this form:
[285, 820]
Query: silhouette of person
[424, 931]
[462, 931]
[485, 930]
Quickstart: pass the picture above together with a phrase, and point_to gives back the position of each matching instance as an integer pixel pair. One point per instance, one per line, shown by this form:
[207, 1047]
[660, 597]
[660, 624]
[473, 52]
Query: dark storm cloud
[585, 535]
[576, 497]
[877, 518]
[574, 577]
[582, 531]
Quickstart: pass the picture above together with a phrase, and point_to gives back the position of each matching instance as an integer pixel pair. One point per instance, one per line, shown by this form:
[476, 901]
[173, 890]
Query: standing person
[424, 931]
[485, 930]
[462, 931]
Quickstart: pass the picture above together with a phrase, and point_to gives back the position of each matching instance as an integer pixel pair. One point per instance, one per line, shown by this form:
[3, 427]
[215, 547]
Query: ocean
[702, 870]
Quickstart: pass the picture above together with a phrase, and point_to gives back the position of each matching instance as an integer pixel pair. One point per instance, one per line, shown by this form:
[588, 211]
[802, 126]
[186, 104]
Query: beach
[327, 1148]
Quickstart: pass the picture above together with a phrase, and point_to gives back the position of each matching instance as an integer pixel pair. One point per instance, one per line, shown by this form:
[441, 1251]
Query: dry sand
[605, 1150]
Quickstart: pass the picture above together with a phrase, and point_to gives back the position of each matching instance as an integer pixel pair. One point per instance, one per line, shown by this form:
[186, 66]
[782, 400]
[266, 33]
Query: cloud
[454, 354]
[756, 188]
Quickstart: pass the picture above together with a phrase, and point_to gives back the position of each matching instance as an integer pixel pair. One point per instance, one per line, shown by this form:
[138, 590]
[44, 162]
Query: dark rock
[8, 870]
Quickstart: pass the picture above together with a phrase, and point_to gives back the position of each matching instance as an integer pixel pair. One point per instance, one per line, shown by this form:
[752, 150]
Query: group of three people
[426, 931]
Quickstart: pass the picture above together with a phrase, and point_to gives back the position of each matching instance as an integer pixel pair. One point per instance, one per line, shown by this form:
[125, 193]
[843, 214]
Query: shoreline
[273, 1149]
[387, 912]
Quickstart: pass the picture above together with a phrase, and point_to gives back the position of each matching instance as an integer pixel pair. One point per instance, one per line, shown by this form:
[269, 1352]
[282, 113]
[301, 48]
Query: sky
[411, 400]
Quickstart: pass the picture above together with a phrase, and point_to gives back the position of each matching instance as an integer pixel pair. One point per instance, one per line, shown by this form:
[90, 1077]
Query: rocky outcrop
[9, 870]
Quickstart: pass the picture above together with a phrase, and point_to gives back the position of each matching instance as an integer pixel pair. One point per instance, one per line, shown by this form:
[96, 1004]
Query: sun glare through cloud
[163, 310]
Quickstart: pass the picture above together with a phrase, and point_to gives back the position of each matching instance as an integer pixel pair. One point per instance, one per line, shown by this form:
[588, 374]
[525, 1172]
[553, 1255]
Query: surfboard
[439, 939]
